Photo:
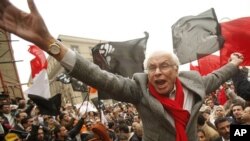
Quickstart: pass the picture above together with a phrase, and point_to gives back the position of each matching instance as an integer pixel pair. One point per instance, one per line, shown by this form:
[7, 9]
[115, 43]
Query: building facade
[9, 78]
[82, 46]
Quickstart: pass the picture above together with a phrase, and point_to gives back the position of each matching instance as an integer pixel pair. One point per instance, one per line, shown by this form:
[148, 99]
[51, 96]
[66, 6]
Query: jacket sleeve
[115, 86]
[213, 80]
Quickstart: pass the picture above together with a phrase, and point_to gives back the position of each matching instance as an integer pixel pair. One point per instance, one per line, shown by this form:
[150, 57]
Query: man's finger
[32, 7]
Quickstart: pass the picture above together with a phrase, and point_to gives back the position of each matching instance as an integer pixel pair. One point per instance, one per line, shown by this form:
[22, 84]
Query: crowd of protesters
[21, 120]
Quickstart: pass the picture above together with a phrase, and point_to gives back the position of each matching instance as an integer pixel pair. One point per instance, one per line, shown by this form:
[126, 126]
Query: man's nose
[157, 70]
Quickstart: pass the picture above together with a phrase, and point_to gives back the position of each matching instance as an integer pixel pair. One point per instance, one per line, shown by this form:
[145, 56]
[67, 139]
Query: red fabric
[222, 98]
[196, 68]
[175, 108]
[237, 39]
[39, 62]
[208, 64]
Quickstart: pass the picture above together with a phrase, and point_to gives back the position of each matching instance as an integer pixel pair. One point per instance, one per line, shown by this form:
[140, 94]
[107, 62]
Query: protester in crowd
[201, 135]
[66, 120]
[210, 102]
[39, 132]
[27, 123]
[245, 117]
[88, 133]
[237, 111]
[49, 123]
[138, 133]
[205, 111]
[7, 115]
[150, 92]
[219, 111]
[18, 118]
[111, 131]
[62, 134]
[22, 105]
[241, 84]
[223, 127]
[123, 134]
[233, 98]
[211, 133]
[40, 136]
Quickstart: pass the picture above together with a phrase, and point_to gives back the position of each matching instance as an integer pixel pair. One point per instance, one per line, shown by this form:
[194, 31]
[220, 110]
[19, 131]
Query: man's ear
[176, 67]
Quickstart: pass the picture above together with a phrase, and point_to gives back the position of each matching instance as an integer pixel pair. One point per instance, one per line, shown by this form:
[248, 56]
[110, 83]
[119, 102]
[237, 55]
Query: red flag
[222, 98]
[237, 39]
[192, 67]
[39, 62]
[208, 64]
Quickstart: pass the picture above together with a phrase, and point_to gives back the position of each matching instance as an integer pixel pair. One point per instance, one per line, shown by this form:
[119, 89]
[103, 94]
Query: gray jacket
[156, 124]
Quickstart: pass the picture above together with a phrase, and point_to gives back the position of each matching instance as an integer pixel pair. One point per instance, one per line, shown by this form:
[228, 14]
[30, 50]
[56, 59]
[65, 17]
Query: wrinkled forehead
[158, 57]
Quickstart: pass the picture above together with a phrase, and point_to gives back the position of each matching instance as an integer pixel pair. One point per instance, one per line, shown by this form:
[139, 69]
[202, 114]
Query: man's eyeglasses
[162, 67]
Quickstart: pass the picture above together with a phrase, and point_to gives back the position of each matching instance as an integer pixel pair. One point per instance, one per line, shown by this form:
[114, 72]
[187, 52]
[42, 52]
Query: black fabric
[64, 78]
[49, 106]
[241, 84]
[123, 58]
[76, 84]
[196, 36]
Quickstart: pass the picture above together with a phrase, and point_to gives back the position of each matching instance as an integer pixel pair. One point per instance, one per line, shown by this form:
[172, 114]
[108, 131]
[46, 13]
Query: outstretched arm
[213, 80]
[29, 26]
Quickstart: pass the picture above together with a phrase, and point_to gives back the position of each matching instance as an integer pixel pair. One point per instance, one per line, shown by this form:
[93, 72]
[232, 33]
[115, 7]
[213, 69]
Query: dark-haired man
[223, 127]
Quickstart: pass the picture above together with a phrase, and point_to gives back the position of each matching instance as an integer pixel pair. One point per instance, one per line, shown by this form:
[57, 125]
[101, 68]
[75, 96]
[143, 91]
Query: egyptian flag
[122, 58]
[39, 74]
[39, 92]
[196, 36]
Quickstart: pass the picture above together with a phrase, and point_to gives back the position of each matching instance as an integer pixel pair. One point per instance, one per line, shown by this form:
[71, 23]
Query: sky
[119, 20]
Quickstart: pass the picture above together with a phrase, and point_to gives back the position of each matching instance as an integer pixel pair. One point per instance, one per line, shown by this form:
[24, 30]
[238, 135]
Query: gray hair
[172, 55]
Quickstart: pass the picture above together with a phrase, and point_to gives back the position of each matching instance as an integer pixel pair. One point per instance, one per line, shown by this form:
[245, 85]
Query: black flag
[196, 36]
[64, 78]
[75, 83]
[123, 58]
[78, 85]
[49, 106]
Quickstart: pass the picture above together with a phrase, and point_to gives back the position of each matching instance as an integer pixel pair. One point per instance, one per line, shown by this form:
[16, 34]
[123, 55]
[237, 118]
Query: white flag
[40, 85]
